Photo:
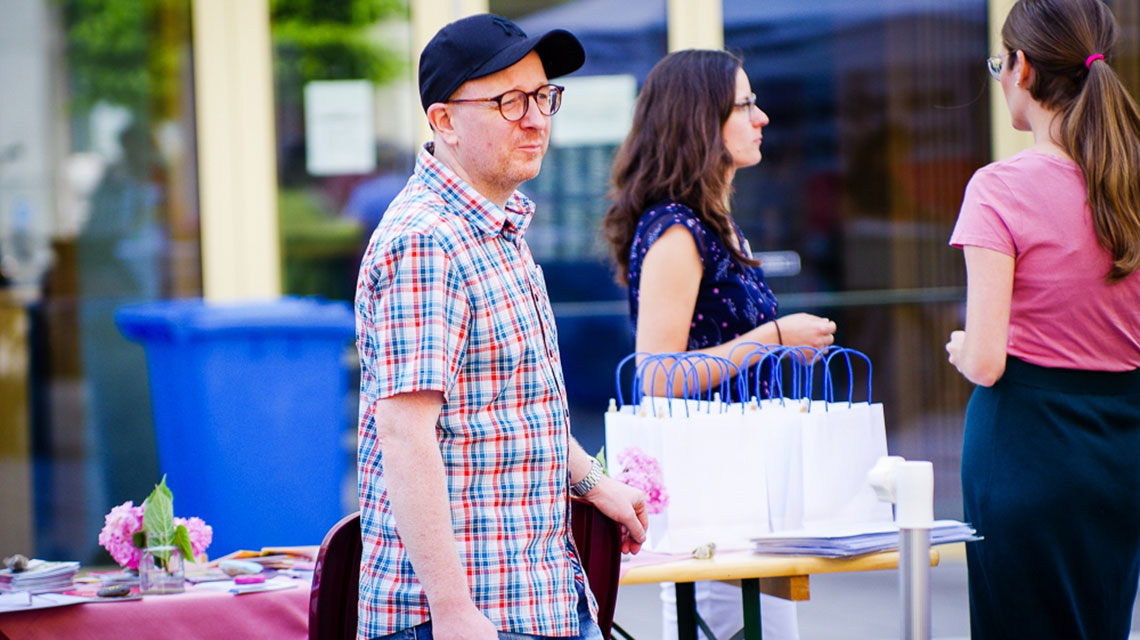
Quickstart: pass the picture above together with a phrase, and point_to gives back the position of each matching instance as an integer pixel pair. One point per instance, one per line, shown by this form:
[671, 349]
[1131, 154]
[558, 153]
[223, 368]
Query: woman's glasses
[513, 104]
[993, 65]
[746, 104]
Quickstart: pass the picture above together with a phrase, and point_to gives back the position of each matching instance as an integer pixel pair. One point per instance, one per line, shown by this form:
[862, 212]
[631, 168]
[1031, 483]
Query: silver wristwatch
[583, 486]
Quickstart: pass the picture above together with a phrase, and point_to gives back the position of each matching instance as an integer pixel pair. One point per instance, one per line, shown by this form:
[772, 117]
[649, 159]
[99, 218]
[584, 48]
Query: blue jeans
[587, 628]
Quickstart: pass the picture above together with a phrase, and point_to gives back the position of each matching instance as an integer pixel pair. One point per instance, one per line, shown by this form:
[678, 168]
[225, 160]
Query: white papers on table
[24, 601]
[40, 576]
[853, 539]
[272, 584]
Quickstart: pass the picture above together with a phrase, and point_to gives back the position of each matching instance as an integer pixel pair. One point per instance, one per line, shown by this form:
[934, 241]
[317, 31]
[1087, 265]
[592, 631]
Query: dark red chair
[336, 579]
[336, 576]
[598, 539]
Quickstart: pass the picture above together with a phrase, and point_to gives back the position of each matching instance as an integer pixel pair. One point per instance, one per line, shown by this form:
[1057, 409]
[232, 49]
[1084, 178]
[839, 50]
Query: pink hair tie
[1093, 58]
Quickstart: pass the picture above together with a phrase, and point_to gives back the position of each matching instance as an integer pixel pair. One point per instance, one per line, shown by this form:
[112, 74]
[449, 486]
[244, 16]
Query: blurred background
[131, 170]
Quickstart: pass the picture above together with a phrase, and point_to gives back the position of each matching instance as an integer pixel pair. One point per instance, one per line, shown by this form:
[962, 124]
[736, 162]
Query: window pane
[622, 43]
[879, 115]
[98, 208]
[343, 84]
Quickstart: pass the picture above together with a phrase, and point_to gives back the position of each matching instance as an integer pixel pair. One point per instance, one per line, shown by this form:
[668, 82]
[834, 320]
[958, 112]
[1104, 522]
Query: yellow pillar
[1004, 139]
[233, 84]
[16, 525]
[695, 24]
[428, 17]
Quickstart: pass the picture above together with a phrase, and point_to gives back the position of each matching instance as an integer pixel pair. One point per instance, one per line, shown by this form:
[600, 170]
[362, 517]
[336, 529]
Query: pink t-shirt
[1063, 313]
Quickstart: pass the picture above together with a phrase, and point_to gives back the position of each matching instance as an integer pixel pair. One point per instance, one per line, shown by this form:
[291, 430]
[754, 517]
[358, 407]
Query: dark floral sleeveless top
[732, 299]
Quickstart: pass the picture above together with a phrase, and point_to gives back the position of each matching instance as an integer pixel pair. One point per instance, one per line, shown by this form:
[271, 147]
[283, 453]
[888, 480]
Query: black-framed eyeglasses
[993, 65]
[746, 104]
[513, 104]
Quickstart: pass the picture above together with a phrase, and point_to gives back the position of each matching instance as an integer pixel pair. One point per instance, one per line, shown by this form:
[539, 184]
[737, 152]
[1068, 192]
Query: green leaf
[182, 542]
[158, 520]
[601, 458]
[139, 539]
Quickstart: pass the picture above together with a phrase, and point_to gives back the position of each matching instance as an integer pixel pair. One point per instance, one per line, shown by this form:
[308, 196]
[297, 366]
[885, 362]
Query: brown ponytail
[1100, 121]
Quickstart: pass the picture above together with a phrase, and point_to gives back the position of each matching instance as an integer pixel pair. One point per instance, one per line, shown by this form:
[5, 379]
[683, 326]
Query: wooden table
[782, 576]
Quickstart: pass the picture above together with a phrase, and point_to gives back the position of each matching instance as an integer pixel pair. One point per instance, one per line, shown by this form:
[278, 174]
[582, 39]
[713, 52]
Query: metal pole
[914, 514]
[914, 580]
[686, 610]
[750, 592]
[910, 485]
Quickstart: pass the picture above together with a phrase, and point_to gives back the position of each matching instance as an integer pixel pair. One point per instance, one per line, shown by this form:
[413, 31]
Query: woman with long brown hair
[693, 283]
[1051, 237]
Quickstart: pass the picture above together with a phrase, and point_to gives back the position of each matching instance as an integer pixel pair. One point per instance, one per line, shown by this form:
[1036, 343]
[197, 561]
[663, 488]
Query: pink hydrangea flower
[201, 534]
[118, 532]
[642, 471]
[121, 524]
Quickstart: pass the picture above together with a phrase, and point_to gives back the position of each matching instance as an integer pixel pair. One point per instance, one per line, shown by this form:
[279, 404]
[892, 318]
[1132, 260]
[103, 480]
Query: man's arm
[417, 491]
[619, 501]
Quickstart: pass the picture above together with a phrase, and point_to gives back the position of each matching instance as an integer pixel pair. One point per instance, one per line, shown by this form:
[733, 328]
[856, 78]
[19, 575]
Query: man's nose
[533, 118]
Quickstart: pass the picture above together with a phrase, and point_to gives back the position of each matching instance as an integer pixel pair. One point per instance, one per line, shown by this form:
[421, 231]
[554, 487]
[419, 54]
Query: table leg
[686, 611]
[750, 594]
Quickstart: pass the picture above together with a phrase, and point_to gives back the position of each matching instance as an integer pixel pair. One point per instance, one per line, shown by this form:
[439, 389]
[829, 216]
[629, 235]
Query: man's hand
[626, 506]
[465, 624]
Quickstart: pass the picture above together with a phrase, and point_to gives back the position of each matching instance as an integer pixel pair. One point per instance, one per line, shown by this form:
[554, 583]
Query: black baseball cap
[482, 44]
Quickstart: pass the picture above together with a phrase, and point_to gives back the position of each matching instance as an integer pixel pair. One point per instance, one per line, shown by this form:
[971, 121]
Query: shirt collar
[481, 212]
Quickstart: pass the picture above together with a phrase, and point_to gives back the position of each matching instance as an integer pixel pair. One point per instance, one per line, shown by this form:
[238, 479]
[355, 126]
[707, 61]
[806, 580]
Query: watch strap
[583, 486]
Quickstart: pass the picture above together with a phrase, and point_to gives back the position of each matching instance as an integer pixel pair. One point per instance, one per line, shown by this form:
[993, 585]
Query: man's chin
[528, 170]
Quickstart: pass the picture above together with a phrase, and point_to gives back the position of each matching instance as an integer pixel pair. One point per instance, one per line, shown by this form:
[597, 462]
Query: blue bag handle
[809, 368]
[829, 385]
[763, 352]
[617, 374]
[658, 363]
[797, 363]
[692, 360]
[668, 363]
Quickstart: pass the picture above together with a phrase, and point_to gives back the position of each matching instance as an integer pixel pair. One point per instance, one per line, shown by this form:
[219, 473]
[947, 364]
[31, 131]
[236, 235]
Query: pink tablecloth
[198, 614]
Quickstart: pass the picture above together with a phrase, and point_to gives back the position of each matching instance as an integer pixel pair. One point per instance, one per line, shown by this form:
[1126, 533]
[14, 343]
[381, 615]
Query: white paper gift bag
[710, 464]
[735, 470]
[841, 441]
[778, 422]
[710, 468]
[781, 449]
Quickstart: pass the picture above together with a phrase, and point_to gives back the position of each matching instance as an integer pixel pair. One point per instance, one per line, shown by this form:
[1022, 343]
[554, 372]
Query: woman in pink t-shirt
[1051, 237]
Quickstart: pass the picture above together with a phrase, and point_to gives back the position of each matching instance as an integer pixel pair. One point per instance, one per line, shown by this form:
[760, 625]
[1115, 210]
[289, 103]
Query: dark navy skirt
[1051, 479]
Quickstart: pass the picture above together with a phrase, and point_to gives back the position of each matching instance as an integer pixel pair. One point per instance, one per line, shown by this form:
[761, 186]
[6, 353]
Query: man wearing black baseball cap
[465, 457]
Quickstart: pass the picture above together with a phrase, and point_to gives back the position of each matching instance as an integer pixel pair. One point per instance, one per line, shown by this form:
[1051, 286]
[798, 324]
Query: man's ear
[439, 118]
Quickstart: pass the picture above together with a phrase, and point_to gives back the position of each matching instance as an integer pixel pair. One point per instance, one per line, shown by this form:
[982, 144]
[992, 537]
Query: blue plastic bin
[249, 413]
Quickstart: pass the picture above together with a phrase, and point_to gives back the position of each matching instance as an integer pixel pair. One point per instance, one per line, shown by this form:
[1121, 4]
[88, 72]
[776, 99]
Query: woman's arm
[667, 293]
[670, 281]
[979, 351]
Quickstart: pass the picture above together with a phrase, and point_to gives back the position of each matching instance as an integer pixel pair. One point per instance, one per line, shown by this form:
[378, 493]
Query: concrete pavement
[855, 606]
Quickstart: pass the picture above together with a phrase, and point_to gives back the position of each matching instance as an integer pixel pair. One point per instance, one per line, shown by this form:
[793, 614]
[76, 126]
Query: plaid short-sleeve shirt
[450, 299]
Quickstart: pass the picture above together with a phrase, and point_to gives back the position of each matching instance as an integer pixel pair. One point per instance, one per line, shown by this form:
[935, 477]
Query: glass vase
[161, 570]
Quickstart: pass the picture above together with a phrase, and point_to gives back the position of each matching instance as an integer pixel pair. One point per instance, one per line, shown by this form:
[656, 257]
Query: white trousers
[720, 607]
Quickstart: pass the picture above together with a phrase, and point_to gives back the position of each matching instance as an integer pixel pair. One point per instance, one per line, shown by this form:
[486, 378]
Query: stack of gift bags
[772, 446]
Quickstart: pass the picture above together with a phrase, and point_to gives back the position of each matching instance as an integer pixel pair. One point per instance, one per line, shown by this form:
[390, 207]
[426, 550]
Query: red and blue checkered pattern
[450, 299]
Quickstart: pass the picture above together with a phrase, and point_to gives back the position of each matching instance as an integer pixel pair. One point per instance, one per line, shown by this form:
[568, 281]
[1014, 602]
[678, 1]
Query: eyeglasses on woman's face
[513, 104]
[746, 104]
[993, 65]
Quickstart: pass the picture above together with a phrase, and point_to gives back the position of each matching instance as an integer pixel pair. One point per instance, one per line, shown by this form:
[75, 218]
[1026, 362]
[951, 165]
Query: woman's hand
[979, 351]
[806, 330]
[954, 347]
